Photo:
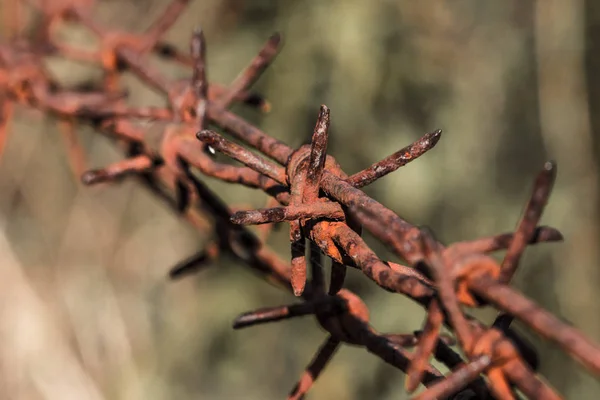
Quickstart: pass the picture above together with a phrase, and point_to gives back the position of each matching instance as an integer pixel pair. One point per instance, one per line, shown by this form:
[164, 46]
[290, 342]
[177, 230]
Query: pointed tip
[198, 30]
[436, 133]
[87, 178]
[434, 137]
[323, 114]
[275, 38]
[298, 280]
[265, 107]
[239, 322]
[198, 40]
[91, 177]
[558, 236]
[409, 383]
[548, 234]
[245, 320]
[198, 45]
[298, 290]
[547, 175]
[189, 266]
[550, 165]
[178, 272]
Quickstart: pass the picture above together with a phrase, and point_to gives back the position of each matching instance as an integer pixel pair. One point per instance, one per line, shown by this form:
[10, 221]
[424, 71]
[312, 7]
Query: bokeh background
[86, 309]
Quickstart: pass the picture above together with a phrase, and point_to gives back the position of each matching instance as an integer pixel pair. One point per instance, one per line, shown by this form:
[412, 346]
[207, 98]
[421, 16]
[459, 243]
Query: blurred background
[87, 310]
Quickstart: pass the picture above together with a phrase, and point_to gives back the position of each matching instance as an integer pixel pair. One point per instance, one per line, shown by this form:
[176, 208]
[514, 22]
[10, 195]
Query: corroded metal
[324, 207]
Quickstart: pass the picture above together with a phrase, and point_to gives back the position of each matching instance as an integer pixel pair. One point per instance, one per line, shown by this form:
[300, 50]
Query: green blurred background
[86, 309]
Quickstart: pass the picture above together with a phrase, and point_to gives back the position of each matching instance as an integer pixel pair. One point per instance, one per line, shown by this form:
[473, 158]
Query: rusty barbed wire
[307, 188]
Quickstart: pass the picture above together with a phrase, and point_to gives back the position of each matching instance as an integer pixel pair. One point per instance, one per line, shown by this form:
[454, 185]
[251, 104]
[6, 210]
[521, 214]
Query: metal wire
[309, 190]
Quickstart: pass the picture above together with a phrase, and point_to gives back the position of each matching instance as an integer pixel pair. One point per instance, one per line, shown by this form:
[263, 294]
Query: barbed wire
[325, 208]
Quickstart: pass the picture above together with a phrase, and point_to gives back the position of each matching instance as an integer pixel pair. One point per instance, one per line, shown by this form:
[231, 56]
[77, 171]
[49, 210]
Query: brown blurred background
[86, 309]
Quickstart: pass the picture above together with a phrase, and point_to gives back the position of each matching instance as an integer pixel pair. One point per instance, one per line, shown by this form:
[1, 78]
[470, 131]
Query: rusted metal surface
[319, 209]
[396, 160]
[308, 189]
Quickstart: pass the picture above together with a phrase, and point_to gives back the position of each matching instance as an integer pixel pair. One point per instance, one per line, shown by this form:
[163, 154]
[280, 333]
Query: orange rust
[468, 266]
[425, 346]
[463, 275]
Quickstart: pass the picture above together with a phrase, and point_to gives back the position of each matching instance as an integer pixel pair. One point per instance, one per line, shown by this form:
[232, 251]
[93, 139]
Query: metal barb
[396, 160]
[308, 189]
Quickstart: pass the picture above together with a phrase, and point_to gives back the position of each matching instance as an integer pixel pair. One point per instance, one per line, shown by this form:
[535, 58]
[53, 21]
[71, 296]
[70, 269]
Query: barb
[242, 155]
[426, 345]
[541, 234]
[297, 238]
[167, 19]
[526, 229]
[324, 354]
[251, 74]
[448, 297]
[316, 162]
[196, 262]
[278, 313]
[138, 164]
[546, 324]
[457, 380]
[199, 81]
[308, 189]
[396, 160]
[279, 214]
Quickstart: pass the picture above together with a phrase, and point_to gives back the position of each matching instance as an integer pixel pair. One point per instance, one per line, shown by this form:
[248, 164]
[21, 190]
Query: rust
[457, 380]
[196, 262]
[325, 208]
[338, 276]
[324, 354]
[167, 19]
[316, 161]
[137, 164]
[546, 324]
[447, 295]
[242, 155]
[396, 160]
[526, 230]
[264, 230]
[251, 74]
[338, 270]
[199, 81]
[297, 238]
[425, 347]
[541, 234]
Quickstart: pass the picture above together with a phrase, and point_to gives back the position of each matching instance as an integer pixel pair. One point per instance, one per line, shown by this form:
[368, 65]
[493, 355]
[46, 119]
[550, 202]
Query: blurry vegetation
[86, 309]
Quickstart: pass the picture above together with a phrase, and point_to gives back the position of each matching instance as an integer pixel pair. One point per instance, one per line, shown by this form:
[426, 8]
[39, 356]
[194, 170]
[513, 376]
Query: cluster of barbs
[308, 189]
